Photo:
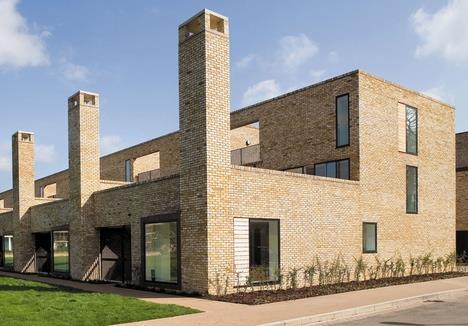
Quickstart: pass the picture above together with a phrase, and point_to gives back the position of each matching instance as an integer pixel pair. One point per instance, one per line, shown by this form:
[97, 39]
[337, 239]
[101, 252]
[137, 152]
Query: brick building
[354, 165]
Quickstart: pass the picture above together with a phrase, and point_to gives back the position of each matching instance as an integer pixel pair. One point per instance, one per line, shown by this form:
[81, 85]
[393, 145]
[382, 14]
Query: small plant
[360, 269]
[293, 278]
[309, 274]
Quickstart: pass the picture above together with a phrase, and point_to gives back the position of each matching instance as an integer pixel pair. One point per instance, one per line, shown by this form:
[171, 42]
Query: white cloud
[295, 50]
[74, 72]
[317, 75]
[18, 46]
[110, 144]
[439, 93]
[261, 91]
[5, 158]
[444, 32]
[46, 153]
[245, 61]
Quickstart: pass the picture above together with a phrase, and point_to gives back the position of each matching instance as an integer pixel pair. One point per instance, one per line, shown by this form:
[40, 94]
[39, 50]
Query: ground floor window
[8, 251]
[264, 244]
[369, 237]
[161, 252]
[61, 251]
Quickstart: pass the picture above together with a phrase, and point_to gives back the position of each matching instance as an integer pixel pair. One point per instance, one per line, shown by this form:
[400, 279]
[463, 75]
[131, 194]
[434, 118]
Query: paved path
[447, 312]
[220, 313]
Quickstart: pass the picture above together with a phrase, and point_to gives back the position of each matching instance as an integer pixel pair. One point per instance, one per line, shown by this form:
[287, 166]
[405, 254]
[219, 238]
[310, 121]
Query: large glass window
[61, 251]
[8, 251]
[411, 189]
[369, 237]
[161, 252]
[333, 169]
[128, 171]
[264, 250]
[411, 130]
[342, 120]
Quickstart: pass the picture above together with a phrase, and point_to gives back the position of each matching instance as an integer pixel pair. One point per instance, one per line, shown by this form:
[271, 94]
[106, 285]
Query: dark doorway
[1, 251]
[462, 244]
[43, 258]
[116, 254]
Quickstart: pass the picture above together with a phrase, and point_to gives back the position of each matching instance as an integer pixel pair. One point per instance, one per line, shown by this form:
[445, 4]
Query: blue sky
[127, 51]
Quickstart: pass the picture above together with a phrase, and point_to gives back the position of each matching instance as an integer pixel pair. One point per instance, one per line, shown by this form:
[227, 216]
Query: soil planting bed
[269, 296]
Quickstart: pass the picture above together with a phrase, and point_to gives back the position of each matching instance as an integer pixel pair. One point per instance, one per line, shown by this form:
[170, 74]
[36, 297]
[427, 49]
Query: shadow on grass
[23, 288]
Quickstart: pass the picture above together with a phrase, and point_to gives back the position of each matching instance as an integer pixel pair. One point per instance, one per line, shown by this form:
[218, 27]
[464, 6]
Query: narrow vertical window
[161, 254]
[411, 189]
[128, 171]
[61, 252]
[369, 237]
[342, 120]
[264, 250]
[343, 169]
[8, 251]
[411, 130]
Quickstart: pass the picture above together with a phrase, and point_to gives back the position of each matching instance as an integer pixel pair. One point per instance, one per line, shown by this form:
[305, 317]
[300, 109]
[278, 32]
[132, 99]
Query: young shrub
[309, 274]
[293, 275]
[360, 269]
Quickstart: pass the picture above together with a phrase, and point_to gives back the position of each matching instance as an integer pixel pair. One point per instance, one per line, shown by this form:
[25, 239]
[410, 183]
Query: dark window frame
[417, 189]
[7, 268]
[336, 121]
[52, 252]
[364, 251]
[163, 218]
[337, 170]
[406, 130]
[279, 248]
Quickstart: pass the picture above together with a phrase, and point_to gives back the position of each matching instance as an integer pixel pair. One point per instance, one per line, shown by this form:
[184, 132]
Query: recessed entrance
[43, 257]
[116, 254]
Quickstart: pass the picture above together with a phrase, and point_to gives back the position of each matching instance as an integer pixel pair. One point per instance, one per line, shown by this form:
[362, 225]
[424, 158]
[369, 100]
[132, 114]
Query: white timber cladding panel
[241, 249]
[401, 127]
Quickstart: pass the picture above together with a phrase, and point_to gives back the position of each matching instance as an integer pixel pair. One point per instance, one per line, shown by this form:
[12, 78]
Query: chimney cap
[203, 12]
[83, 92]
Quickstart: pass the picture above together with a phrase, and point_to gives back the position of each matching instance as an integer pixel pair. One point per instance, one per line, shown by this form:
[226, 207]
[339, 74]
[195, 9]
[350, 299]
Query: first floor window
[264, 250]
[411, 189]
[411, 130]
[333, 169]
[8, 251]
[128, 171]
[161, 258]
[61, 251]
[342, 120]
[369, 237]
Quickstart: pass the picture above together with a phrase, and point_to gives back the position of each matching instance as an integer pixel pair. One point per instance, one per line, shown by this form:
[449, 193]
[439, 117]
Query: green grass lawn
[34, 303]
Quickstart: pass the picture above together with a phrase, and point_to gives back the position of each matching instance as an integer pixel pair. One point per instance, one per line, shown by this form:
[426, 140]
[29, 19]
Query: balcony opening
[48, 191]
[147, 167]
[245, 145]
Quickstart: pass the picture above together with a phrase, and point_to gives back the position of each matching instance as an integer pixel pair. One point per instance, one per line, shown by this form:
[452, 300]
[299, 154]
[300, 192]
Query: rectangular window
[161, 253]
[411, 189]
[264, 244]
[128, 171]
[333, 169]
[342, 120]
[8, 251]
[61, 251]
[411, 130]
[369, 237]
